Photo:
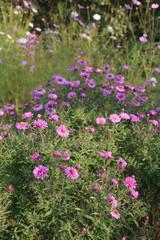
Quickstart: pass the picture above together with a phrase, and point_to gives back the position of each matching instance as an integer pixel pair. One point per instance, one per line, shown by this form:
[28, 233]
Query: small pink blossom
[130, 182]
[40, 172]
[100, 120]
[62, 131]
[71, 172]
[115, 214]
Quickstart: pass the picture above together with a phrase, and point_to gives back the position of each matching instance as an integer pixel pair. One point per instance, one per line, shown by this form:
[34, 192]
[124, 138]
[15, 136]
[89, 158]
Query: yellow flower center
[22, 123]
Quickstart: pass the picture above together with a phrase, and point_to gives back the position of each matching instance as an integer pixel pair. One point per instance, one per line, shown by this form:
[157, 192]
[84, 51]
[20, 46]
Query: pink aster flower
[96, 187]
[100, 120]
[54, 118]
[154, 122]
[114, 118]
[56, 154]
[1, 112]
[114, 181]
[155, 5]
[39, 91]
[124, 116]
[40, 124]
[27, 115]
[40, 172]
[36, 156]
[66, 156]
[133, 193]
[110, 76]
[107, 92]
[112, 200]
[130, 182]
[71, 172]
[115, 214]
[52, 96]
[62, 131]
[106, 154]
[143, 39]
[22, 125]
[119, 79]
[123, 164]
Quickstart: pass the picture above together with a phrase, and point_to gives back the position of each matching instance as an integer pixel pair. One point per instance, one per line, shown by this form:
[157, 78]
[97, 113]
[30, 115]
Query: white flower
[1, 33]
[113, 37]
[9, 36]
[110, 29]
[1, 49]
[31, 25]
[74, 14]
[34, 10]
[97, 17]
[16, 12]
[23, 40]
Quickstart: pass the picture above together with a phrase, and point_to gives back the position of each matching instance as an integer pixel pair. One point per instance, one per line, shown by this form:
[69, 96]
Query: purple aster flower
[52, 96]
[84, 75]
[119, 79]
[50, 104]
[40, 172]
[71, 172]
[42, 124]
[121, 96]
[32, 68]
[9, 107]
[128, 6]
[39, 91]
[50, 111]
[62, 131]
[24, 63]
[96, 187]
[134, 118]
[81, 62]
[37, 107]
[36, 156]
[143, 39]
[110, 76]
[130, 182]
[71, 95]
[107, 92]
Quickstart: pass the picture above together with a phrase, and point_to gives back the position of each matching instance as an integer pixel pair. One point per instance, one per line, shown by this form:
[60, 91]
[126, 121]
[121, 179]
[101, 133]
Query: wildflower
[71, 95]
[96, 17]
[124, 116]
[56, 154]
[27, 115]
[110, 29]
[78, 166]
[62, 131]
[40, 124]
[32, 68]
[114, 181]
[100, 120]
[80, 6]
[74, 14]
[50, 111]
[133, 193]
[10, 188]
[155, 5]
[54, 118]
[154, 122]
[134, 118]
[92, 130]
[121, 96]
[119, 79]
[114, 118]
[71, 172]
[96, 187]
[36, 156]
[1, 112]
[106, 154]
[61, 166]
[39, 91]
[37, 107]
[52, 96]
[128, 6]
[100, 175]
[112, 200]
[110, 76]
[9, 107]
[40, 172]
[24, 63]
[130, 182]
[115, 214]
[66, 156]
[143, 39]
[122, 162]
[22, 125]
[107, 92]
